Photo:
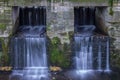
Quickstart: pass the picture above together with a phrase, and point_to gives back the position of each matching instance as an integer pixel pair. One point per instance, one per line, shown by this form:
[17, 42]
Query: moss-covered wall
[59, 54]
[109, 24]
[60, 28]
[5, 20]
[113, 28]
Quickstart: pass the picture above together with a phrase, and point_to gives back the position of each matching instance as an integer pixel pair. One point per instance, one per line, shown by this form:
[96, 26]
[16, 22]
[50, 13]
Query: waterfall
[84, 53]
[107, 56]
[28, 45]
[30, 50]
[91, 50]
[91, 55]
[99, 55]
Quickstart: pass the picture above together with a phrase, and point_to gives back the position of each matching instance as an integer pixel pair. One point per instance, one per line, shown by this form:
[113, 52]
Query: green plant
[56, 41]
[114, 54]
[58, 56]
[115, 59]
[4, 58]
[2, 27]
[48, 28]
[111, 12]
[111, 2]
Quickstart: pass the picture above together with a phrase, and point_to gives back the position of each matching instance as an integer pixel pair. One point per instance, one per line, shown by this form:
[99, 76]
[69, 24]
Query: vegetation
[48, 27]
[114, 56]
[111, 2]
[2, 27]
[111, 7]
[4, 58]
[111, 12]
[58, 53]
[5, 1]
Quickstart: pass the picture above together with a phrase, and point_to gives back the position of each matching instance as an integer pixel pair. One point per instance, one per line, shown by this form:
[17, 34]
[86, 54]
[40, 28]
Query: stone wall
[112, 23]
[5, 20]
[60, 21]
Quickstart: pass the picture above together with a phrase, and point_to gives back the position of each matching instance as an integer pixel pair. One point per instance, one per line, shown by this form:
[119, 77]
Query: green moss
[111, 3]
[115, 58]
[111, 12]
[48, 27]
[56, 41]
[4, 59]
[114, 54]
[49, 0]
[57, 53]
[2, 27]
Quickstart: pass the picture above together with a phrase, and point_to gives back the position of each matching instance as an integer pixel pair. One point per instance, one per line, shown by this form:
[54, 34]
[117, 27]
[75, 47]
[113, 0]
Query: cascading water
[91, 51]
[28, 47]
[83, 53]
